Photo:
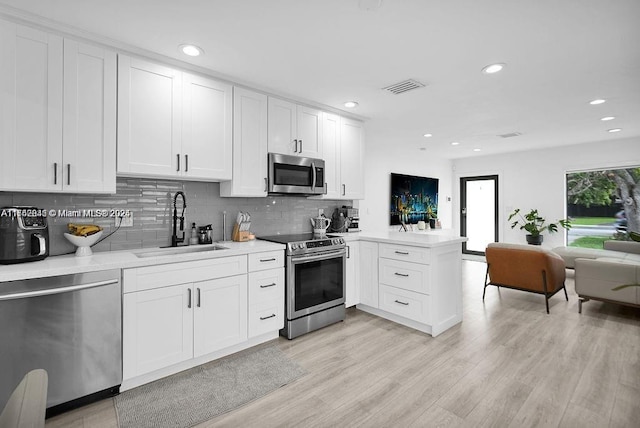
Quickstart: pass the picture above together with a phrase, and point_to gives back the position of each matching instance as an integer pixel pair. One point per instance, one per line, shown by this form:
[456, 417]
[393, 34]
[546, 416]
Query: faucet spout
[175, 240]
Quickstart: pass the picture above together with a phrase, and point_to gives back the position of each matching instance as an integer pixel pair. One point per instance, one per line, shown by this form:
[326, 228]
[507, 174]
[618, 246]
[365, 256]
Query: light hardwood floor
[508, 364]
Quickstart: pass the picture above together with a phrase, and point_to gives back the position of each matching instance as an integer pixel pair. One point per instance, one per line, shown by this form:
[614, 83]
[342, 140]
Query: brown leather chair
[525, 267]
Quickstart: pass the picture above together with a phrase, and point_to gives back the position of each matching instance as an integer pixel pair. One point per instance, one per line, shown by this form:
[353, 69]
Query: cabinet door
[220, 317]
[157, 329]
[331, 152]
[206, 128]
[309, 132]
[352, 286]
[351, 163]
[369, 273]
[31, 105]
[89, 152]
[282, 127]
[249, 145]
[149, 119]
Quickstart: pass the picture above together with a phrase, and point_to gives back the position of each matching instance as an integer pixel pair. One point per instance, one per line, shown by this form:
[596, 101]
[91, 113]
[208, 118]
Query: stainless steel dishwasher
[71, 326]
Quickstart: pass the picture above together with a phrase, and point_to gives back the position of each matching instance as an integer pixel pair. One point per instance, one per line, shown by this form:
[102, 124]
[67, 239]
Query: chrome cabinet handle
[402, 303]
[198, 297]
[348, 252]
[296, 149]
[401, 274]
[266, 318]
[55, 173]
[186, 163]
[273, 284]
[268, 260]
[178, 169]
[344, 189]
[189, 298]
[68, 174]
[402, 252]
[300, 146]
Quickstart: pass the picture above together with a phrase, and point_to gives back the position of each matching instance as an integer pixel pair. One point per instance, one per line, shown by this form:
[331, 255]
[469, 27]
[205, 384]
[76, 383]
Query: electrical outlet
[320, 211]
[125, 220]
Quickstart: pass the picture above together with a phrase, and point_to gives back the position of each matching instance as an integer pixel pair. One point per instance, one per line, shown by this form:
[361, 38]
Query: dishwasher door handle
[58, 290]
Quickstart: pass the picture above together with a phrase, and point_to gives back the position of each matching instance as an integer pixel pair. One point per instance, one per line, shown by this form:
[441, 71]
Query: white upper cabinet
[351, 159]
[294, 129]
[172, 124]
[89, 120]
[249, 145]
[343, 143]
[58, 113]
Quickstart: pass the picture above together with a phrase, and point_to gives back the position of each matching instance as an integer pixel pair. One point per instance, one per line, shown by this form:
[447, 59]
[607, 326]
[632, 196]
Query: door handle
[55, 173]
[59, 290]
[266, 318]
[268, 260]
[300, 146]
[186, 163]
[68, 174]
[344, 189]
[401, 274]
[402, 252]
[189, 298]
[266, 185]
[178, 169]
[296, 148]
[198, 304]
[402, 303]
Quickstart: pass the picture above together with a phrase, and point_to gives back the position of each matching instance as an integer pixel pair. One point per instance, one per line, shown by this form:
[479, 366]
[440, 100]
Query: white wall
[536, 179]
[382, 157]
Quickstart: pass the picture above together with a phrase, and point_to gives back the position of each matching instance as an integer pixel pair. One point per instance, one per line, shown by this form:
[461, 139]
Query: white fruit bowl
[83, 243]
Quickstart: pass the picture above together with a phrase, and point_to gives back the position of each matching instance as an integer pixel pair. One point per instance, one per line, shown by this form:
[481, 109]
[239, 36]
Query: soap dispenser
[193, 240]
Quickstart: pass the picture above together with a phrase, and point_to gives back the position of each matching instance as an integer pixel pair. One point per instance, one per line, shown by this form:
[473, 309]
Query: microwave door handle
[313, 183]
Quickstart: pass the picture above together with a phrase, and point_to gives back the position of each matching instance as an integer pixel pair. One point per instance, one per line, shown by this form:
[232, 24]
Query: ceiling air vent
[510, 134]
[404, 86]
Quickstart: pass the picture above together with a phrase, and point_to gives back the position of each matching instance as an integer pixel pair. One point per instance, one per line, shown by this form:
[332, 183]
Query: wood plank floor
[508, 364]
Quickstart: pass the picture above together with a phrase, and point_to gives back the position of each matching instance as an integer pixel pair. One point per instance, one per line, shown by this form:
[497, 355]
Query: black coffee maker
[24, 235]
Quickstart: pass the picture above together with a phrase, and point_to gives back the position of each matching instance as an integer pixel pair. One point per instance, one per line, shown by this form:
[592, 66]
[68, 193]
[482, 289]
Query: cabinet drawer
[150, 277]
[405, 253]
[266, 317]
[266, 260]
[405, 275]
[405, 303]
[266, 285]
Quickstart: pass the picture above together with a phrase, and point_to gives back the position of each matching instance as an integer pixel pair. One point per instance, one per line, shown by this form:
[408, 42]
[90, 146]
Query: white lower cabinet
[220, 314]
[179, 315]
[414, 286]
[352, 283]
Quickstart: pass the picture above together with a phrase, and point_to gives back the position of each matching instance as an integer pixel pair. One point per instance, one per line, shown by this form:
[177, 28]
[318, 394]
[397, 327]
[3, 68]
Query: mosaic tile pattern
[151, 202]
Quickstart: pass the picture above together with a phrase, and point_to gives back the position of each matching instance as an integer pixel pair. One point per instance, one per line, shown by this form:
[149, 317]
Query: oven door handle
[323, 256]
[59, 290]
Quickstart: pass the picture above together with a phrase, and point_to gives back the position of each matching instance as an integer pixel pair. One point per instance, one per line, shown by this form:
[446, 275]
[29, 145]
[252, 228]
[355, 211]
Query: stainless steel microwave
[296, 175]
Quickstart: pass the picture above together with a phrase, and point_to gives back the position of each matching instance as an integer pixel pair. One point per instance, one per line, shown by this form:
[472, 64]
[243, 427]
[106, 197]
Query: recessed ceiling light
[596, 102]
[454, 143]
[614, 130]
[493, 68]
[351, 104]
[477, 150]
[607, 118]
[423, 149]
[427, 135]
[191, 50]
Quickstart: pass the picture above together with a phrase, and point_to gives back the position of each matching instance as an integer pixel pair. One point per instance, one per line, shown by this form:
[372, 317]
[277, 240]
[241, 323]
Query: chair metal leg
[546, 294]
[486, 277]
[566, 296]
[580, 305]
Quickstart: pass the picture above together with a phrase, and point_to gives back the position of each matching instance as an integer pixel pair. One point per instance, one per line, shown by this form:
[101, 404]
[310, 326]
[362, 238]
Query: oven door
[315, 282]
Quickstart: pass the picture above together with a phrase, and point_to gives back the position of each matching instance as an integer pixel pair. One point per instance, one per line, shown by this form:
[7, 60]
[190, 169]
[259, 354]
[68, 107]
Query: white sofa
[597, 272]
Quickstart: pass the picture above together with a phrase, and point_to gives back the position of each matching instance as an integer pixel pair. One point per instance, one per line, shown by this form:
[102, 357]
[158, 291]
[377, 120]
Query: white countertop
[418, 238]
[70, 264]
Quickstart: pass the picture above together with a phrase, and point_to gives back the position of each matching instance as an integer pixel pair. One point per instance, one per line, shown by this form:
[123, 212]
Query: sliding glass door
[478, 212]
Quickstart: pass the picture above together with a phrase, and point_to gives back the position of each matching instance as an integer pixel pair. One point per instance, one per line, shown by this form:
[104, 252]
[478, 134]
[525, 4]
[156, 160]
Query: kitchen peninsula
[412, 278]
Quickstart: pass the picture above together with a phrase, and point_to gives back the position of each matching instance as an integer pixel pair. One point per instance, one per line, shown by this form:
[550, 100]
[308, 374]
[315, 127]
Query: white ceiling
[559, 56]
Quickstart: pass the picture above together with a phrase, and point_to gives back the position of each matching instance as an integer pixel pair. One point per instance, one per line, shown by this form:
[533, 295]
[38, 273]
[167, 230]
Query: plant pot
[432, 223]
[534, 240]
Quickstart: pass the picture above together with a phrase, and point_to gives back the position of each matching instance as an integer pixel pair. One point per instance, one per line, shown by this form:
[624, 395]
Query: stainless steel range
[314, 281]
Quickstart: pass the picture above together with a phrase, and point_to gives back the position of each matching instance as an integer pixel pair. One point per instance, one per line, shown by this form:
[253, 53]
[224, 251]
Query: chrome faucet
[174, 237]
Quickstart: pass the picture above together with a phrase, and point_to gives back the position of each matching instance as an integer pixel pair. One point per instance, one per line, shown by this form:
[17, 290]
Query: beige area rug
[201, 393]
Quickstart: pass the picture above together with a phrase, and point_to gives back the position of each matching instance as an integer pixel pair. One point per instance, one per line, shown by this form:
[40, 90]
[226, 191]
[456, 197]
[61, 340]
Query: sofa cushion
[570, 254]
[598, 278]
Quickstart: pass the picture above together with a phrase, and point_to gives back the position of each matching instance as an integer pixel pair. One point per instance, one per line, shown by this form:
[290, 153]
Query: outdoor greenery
[591, 221]
[535, 224]
[590, 242]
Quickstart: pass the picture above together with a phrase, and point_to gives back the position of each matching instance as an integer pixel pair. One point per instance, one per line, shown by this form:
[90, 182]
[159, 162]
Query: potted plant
[533, 223]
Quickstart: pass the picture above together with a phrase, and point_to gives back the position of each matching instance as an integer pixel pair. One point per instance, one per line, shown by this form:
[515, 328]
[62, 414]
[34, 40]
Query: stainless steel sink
[171, 251]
